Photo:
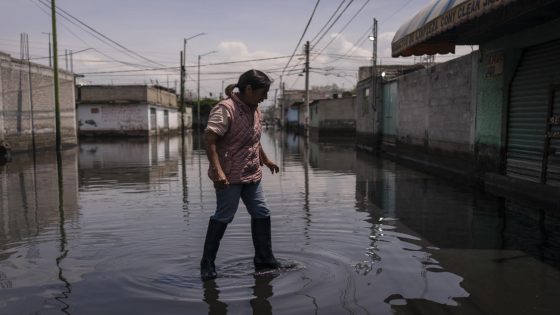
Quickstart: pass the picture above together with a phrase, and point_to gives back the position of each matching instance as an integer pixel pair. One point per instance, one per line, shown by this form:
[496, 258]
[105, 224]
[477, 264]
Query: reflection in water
[262, 291]
[186, 146]
[63, 242]
[368, 236]
[212, 298]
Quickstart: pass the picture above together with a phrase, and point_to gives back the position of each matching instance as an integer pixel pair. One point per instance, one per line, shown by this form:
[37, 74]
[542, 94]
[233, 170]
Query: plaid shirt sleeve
[218, 120]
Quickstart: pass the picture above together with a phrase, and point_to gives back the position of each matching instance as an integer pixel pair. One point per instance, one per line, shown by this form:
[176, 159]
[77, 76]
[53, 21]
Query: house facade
[131, 110]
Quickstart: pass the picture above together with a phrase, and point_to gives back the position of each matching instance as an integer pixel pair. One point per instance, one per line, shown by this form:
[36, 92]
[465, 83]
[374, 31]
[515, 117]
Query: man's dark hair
[255, 78]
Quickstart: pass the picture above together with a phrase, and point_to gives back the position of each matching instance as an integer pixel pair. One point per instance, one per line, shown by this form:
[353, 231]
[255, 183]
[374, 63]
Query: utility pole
[374, 66]
[198, 97]
[282, 113]
[55, 71]
[182, 100]
[307, 118]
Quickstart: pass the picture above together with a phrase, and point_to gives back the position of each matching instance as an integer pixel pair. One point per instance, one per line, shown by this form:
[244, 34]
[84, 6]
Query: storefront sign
[465, 11]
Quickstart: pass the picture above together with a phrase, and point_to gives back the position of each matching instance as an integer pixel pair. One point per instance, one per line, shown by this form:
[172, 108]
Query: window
[94, 110]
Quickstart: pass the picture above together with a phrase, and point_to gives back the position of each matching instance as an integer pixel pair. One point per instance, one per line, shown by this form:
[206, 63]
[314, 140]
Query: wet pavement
[122, 233]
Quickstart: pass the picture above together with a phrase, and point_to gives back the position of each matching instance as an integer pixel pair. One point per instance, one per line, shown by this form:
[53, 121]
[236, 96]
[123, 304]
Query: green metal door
[389, 119]
[529, 112]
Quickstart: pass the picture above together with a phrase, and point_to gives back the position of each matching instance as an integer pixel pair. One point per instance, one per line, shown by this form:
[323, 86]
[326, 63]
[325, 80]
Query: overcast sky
[241, 30]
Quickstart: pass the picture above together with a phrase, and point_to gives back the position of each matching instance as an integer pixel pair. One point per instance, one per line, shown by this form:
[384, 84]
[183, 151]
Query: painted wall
[106, 118]
[16, 116]
[130, 119]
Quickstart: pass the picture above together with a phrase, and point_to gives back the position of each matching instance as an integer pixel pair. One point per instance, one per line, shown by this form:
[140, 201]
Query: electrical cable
[343, 28]
[85, 43]
[327, 23]
[332, 24]
[58, 9]
[303, 34]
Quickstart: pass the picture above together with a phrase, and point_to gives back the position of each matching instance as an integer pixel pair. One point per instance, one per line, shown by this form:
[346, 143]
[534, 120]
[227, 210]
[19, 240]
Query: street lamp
[198, 90]
[183, 80]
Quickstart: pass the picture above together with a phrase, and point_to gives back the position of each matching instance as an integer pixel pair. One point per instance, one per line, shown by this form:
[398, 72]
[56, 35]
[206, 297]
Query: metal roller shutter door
[528, 111]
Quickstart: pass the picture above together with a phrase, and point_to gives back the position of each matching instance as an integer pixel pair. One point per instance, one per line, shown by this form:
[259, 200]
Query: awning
[416, 37]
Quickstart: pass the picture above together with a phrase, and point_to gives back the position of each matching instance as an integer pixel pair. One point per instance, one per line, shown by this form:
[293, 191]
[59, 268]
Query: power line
[83, 41]
[303, 34]
[99, 33]
[332, 24]
[397, 11]
[343, 28]
[205, 65]
[327, 23]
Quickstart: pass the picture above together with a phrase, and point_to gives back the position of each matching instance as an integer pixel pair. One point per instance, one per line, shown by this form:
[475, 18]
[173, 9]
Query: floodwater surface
[122, 233]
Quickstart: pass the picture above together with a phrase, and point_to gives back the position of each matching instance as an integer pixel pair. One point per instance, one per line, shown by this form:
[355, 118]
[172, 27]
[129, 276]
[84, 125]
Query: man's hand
[221, 182]
[272, 166]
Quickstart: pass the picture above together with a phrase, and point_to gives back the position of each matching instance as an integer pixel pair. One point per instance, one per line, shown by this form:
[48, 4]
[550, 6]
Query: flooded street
[123, 234]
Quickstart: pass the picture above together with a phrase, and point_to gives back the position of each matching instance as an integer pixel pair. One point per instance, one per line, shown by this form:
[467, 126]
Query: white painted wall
[106, 118]
[123, 118]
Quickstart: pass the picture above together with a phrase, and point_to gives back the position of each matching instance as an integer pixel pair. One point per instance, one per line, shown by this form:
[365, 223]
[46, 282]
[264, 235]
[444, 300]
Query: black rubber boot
[264, 259]
[214, 235]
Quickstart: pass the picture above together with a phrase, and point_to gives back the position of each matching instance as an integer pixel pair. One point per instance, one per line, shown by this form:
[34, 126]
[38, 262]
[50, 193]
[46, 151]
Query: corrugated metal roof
[436, 18]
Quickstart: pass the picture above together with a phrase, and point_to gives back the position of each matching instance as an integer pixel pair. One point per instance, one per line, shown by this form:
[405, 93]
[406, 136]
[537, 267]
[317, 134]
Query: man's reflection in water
[261, 292]
[211, 297]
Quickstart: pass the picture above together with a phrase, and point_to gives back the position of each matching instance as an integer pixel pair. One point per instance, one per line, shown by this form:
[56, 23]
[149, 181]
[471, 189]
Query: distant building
[132, 110]
[332, 117]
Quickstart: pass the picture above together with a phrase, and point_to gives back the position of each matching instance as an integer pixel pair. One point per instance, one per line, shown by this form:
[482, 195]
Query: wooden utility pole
[374, 67]
[55, 71]
[182, 100]
[282, 104]
[307, 118]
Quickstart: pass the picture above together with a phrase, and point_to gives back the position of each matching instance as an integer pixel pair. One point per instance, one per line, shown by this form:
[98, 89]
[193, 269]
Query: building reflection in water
[141, 162]
[452, 225]
[39, 197]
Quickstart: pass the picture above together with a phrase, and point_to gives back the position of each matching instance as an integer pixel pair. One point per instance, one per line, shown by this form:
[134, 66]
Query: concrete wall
[436, 110]
[333, 116]
[161, 97]
[129, 119]
[17, 119]
[113, 93]
[110, 119]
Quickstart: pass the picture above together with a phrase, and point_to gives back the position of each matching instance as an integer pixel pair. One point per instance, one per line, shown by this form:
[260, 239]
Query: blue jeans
[228, 200]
